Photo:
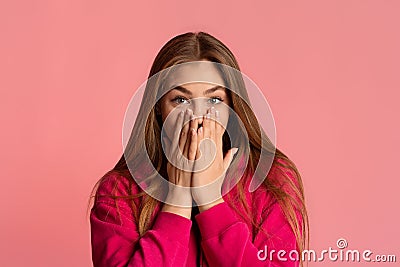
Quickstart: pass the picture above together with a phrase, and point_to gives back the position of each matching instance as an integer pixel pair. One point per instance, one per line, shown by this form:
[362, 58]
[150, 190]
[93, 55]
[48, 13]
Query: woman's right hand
[182, 152]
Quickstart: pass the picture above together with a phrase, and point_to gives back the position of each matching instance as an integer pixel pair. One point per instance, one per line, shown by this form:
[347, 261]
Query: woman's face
[199, 97]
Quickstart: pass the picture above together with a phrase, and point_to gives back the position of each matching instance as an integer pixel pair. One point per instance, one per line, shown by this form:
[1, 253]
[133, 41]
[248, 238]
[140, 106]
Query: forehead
[199, 72]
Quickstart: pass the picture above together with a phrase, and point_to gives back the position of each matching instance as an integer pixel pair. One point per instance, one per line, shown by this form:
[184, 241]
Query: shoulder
[280, 175]
[282, 182]
[114, 186]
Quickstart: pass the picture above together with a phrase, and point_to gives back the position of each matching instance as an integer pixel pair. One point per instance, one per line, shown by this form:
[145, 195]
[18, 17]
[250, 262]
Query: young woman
[179, 195]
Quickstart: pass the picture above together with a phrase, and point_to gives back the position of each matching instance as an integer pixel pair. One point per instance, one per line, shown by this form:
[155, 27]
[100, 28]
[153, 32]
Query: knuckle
[192, 151]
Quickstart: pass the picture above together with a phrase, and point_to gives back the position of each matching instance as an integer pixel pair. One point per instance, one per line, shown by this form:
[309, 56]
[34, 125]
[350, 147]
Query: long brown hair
[287, 189]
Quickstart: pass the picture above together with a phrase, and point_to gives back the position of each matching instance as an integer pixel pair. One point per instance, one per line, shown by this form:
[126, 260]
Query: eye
[215, 100]
[180, 100]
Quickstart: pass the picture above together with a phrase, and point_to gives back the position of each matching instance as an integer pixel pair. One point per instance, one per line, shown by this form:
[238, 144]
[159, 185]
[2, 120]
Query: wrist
[210, 205]
[181, 211]
[179, 197]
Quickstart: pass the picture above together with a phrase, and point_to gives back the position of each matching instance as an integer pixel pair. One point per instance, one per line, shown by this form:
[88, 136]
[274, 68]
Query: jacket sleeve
[226, 241]
[115, 239]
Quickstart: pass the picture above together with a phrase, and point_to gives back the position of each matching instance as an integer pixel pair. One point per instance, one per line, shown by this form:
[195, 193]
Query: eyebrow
[206, 92]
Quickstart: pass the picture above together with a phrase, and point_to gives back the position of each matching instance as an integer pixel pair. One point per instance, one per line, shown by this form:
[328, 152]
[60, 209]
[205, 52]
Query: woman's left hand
[206, 184]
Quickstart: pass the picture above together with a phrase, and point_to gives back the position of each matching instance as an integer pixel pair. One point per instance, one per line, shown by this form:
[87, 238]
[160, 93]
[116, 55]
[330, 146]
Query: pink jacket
[215, 237]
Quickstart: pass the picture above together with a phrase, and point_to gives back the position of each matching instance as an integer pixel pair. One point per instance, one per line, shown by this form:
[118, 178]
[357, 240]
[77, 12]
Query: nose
[199, 108]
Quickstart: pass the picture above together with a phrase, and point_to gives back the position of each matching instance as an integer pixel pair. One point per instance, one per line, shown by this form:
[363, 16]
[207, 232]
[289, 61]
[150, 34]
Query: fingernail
[235, 150]
[217, 113]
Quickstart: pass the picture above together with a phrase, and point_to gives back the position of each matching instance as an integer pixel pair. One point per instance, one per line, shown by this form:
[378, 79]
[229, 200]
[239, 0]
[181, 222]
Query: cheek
[169, 118]
[165, 109]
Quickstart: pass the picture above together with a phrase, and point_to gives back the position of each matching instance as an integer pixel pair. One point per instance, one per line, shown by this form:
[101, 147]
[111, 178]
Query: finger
[184, 132]
[178, 127]
[167, 145]
[193, 140]
[200, 136]
[212, 124]
[206, 124]
[229, 157]
[218, 125]
[188, 137]
[215, 146]
[218, 132]
[206, 147]
[213, 135]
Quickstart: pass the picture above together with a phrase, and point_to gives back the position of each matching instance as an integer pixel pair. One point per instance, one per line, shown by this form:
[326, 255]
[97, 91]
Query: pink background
[329, 69]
